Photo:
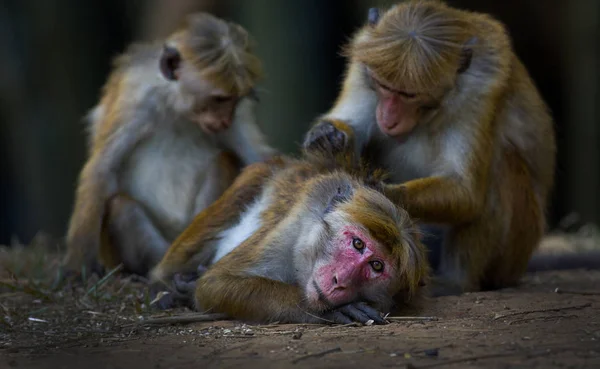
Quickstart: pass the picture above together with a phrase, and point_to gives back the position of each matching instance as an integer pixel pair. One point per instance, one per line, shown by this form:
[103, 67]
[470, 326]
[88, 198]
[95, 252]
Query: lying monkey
[309, 240]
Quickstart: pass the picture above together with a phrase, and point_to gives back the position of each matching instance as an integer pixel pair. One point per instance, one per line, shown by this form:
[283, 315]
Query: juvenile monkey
[172, 130]
[301, 240]
[437, 96]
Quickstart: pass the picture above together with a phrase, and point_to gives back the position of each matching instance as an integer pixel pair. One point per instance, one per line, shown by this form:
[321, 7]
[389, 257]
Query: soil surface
[532, 326]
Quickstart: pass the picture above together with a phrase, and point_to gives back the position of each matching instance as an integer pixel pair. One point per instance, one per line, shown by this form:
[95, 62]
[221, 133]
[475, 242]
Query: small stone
[432, 352]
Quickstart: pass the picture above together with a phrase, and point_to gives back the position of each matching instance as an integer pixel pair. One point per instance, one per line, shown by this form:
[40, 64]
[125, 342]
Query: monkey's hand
[375, 181]
[327, 137]
[212, 126]
[354, 312]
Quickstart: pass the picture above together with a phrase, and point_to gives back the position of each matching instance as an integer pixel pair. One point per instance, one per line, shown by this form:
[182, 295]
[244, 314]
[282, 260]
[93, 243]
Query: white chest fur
[167, 171]
[423, 155]
[248, 224]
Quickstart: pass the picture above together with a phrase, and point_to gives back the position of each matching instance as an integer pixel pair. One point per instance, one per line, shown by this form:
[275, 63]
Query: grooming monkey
[172, 130]
[437, 96]
[300, 240]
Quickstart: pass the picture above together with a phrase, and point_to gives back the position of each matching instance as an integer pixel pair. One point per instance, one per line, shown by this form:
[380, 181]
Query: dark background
[55, 56]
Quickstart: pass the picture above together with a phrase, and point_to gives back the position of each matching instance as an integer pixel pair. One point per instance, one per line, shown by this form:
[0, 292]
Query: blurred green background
[56, 55]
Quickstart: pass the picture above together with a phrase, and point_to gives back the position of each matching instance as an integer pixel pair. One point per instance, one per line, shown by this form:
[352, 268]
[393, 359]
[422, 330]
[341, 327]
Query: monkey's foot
[355, 312]
[69, 274]
[324, 136]
[182, 293]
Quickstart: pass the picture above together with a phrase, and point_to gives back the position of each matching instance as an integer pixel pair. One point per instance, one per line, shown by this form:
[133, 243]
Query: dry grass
[35, 313]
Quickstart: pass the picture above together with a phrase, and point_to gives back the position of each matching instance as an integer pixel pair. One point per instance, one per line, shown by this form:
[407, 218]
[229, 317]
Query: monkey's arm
[434, 199]
[116, 137]
[456, 196]
[354, 109]
[188, 251]
[250, 298]
[260, 299]
[244, 137]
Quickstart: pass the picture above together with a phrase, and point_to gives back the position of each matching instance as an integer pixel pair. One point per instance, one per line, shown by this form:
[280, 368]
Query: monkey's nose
[335, 280]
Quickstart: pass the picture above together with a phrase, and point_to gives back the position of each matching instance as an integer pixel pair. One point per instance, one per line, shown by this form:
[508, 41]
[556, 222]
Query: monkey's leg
[433, 238]
[465, 253]
[523, 229]
[130, 237]
[493, 251]
[220, 175]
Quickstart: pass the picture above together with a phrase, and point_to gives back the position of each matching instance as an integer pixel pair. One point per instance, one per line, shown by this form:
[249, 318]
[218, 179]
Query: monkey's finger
[355, 313]
[201, 270]
[170, 300]
[185, 283]
[338, 317]
[370, 312]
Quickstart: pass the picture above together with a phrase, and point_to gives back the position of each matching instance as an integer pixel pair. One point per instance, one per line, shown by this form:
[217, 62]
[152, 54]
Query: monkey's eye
[377, 266]
[406, 95]
[219, 99]
[358, 243]
[382, 86]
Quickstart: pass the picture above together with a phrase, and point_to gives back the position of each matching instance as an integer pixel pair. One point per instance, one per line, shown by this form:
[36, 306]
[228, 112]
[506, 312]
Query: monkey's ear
[344, 193]
[373, 16]
[170, 60]
[466, 55]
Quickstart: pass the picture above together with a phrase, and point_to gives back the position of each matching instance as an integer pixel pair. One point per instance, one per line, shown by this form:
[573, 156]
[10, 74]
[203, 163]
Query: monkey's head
[412, 54]
[213, 65]
[369, 251]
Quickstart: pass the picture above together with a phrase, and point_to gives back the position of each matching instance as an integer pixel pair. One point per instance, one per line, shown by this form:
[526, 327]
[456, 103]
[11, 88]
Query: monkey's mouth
[320, 293]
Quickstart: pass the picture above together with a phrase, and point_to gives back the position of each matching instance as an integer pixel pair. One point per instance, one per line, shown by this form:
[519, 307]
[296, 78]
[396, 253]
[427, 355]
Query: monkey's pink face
[356, 264]
[397, 111]
[215, 113]
[213, 108]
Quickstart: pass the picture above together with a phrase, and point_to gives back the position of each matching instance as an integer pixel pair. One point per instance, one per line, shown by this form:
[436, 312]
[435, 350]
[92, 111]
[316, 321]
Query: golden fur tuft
[415, 46]
[222, 51]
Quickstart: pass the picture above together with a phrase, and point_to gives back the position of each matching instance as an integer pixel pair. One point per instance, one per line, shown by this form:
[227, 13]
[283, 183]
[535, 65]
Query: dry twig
[316, 355]
[411, 318]
[181, 319]
[98, 284]
[547, 310]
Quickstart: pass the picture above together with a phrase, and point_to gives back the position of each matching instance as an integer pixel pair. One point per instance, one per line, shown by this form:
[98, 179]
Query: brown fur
[293, 185]
[142, 113]
[482, 160]
[223, 51]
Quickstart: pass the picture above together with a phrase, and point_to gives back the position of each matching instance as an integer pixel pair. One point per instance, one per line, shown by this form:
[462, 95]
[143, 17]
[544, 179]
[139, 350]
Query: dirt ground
[98, 326]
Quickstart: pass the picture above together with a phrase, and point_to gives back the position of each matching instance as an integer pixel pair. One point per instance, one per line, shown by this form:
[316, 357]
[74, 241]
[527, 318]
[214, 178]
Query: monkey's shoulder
[135, 55]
